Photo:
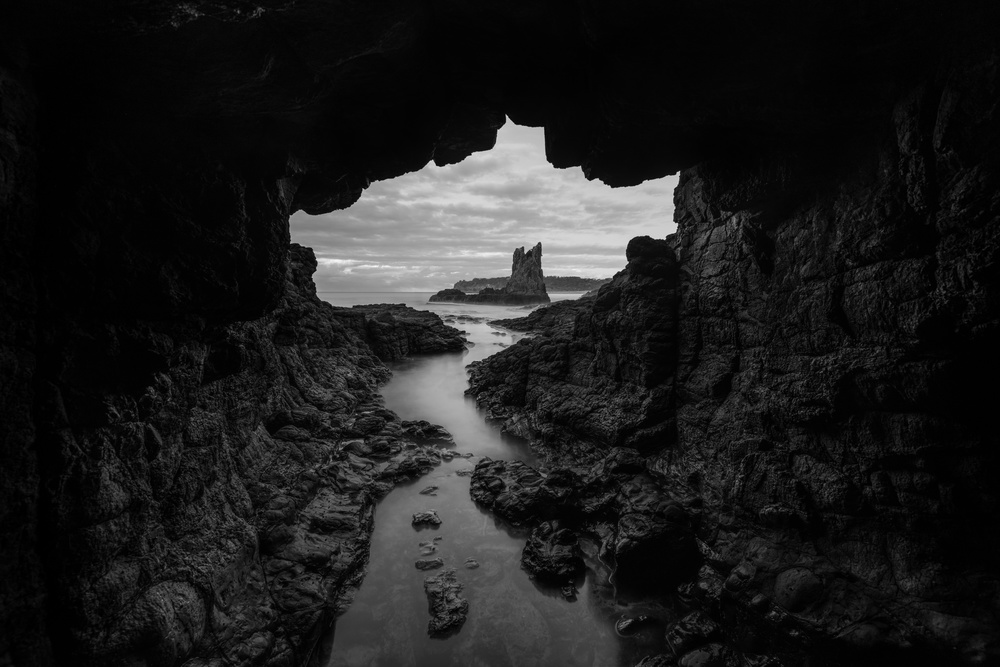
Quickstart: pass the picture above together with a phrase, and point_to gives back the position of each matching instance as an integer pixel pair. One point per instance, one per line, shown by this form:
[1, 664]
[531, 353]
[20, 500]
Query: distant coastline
[552, 284]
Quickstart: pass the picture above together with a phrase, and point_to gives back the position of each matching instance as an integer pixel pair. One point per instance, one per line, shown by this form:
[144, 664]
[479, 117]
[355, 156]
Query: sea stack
[526, 284]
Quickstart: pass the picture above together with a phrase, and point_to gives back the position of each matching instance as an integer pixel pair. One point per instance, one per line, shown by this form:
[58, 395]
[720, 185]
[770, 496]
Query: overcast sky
[423, 231]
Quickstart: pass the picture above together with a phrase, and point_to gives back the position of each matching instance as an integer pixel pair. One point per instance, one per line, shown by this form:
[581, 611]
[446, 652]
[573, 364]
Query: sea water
[511, 620]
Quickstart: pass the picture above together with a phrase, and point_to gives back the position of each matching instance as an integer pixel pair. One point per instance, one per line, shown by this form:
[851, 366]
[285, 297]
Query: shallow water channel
[511, 620]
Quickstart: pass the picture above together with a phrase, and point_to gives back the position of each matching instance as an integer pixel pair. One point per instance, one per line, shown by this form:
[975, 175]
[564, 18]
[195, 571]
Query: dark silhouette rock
[526, 284]
[695, 629]
[447, 606]
[552, 554]
[395, 331]
[552, 284]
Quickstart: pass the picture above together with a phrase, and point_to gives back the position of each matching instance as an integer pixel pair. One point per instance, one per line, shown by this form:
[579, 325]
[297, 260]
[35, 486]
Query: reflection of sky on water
[511, 620]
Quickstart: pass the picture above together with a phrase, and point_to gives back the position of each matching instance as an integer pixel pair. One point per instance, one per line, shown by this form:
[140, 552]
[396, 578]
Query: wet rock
[797, 588]
[428, 547]
[600, 373]
[654, 541]
[429, 563]
[631, 625]
[447, 607]
[695, 629]
[657, 661]
[425, 433]
[552, 554]
[395, 331]
[710, 655]
[428, 518]
[429, 491]
[471, 563]
[569, 592]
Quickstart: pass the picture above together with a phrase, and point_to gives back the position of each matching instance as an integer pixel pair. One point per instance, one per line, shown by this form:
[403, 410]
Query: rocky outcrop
[833, 310]
[525, 286]
[601, 372]
[447, 606]
[394, 331]
[642, 531]
[552, 284]
[226, 513]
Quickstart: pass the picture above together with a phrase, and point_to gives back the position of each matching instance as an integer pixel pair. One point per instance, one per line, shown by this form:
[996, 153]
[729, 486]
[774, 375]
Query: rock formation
[552, 284]
[525, 286]
[170, 402]
[447, 606]
[605, 374]
[811, 381]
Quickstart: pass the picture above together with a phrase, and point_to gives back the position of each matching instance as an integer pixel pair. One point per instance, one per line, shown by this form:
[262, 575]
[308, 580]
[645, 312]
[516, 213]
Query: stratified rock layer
[525, 286]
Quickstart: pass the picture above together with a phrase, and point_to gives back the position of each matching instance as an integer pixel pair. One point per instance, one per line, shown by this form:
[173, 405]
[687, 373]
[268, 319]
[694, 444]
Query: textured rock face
[836, 315]
[603, 370]
[837, 279]
[526, 284]
[445, 602]
[225, 511]
[526, 272]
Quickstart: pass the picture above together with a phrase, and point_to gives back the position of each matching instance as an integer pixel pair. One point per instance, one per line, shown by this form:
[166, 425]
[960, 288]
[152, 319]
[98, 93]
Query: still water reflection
[511, 621]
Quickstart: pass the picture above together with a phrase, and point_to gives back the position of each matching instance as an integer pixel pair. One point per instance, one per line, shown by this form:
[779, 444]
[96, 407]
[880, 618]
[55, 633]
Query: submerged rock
[429, 563]
[447, 607]
[426, 518]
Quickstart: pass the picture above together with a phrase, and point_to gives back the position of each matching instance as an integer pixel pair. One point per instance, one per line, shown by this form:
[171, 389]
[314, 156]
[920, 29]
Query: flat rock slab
[428, 518]
[447, 606]
[429, 563]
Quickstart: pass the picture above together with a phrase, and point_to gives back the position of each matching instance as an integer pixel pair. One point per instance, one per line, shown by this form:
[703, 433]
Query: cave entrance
[426, 230]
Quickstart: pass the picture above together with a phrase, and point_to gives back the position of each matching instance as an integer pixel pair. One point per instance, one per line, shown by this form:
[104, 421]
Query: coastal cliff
[831, 325]
[186, 437]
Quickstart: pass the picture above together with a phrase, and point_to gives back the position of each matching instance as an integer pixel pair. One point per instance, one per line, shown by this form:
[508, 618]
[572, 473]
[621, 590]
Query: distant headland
[526, 284]
[552, 284]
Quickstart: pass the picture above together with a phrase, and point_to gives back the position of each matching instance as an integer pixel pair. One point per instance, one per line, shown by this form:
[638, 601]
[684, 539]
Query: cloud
[425, 230]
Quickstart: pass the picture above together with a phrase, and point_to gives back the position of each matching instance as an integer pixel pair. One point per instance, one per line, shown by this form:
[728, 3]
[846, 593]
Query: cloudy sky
[423, 231]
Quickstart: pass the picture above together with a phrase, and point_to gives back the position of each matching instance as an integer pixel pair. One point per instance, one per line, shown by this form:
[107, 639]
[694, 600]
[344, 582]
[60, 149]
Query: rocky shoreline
[263, 484]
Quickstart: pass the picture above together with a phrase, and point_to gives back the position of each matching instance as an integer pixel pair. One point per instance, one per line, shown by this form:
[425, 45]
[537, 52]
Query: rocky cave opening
[797, 376]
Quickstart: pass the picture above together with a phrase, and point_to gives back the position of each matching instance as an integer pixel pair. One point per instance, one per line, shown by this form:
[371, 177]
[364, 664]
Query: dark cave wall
[150, 155]
[837, 333]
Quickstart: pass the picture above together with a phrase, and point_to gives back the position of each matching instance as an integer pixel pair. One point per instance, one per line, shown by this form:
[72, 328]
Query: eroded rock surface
[602, 371]
[447, 606]
[227, 509]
